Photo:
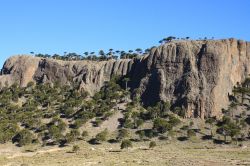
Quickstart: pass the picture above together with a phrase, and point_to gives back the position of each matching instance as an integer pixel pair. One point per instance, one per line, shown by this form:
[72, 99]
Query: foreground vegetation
[165, 153]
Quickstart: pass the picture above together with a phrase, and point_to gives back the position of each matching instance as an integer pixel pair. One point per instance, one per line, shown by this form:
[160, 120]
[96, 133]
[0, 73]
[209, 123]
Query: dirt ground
[165, 153]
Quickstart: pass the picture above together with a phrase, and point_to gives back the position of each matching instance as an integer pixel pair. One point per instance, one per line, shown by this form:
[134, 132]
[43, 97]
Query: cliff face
[89, 75]
[195, 75]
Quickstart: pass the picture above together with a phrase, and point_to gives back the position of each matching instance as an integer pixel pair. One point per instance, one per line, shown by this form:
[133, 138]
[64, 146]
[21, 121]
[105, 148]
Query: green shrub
[102, 136]
[72, 136]
[55, 133]
[191, 123]
[68, 112]
[126, 144]
[122, 133]
[75, 148]
[5, 137]
[174, 121]
[149, 133]
[128, 123]
[191, 133]
[84, 134]
[24, 137]
[152, 144]
[162, 125]
[179, 111]
[139, 122]
[141, 134]
[7, 131]
[98, 122]
[59, 123]
[78, 123]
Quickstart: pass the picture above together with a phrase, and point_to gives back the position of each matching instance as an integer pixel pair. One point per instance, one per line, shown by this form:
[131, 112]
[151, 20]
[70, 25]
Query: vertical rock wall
[195, 75]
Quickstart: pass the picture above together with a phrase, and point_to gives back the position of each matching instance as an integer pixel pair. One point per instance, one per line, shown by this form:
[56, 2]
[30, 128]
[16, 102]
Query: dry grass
[165, 153]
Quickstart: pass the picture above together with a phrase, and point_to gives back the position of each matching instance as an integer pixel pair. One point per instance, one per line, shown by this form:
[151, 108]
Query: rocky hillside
[195, 75]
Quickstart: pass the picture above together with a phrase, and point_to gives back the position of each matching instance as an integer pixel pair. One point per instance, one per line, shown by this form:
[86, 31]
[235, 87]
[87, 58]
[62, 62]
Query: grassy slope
[165, 153]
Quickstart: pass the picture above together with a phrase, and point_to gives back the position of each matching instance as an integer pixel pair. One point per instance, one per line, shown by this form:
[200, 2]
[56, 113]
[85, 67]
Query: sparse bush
[30, 84]
[72, 136]
[174, 121]
[122, 133]
[78, 123]
[141, 134]
[179, 111]
[98, 122]
[152, 144]
[75, 149]
[23, 164]
[191, 123]
[162, 125]
[68, 112]
[55, 133]
[102, 136]
[184, 127]
[126, 144]
[171, 134]
[84, 134]
[24, 137]
[7, 131]
[139, 122]
[191, 133]
[128, 123]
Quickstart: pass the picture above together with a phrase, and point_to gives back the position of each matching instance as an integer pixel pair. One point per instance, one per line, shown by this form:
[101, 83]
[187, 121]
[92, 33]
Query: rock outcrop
[195, 75]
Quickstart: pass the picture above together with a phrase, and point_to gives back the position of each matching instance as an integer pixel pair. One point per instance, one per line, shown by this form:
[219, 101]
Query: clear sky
[55, 26]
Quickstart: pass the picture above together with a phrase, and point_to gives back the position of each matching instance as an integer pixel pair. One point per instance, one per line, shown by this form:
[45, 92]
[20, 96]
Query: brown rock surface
[195, 75]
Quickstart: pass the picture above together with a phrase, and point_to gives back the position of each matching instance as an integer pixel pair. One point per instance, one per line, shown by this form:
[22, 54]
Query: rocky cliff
[195, 75]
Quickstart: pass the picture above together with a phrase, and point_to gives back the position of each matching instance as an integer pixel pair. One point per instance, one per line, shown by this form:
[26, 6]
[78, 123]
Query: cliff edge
[197, 76]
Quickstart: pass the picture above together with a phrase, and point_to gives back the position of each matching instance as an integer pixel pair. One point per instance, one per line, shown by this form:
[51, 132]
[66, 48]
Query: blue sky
[55, 26]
